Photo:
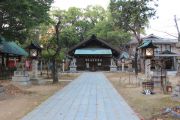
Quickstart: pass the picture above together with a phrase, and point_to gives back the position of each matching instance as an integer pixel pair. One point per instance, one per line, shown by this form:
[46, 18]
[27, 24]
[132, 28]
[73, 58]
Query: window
[168, 47]
[157, 50]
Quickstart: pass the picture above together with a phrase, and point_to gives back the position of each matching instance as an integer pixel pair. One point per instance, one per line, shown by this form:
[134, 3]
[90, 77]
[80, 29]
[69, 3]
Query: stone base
[113, 68]
[21, 77]
[73, 69]
[22, 80]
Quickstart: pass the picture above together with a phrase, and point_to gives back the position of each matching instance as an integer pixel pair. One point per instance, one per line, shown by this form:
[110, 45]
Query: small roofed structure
[93, 54]
[10, 54]
[10, 50]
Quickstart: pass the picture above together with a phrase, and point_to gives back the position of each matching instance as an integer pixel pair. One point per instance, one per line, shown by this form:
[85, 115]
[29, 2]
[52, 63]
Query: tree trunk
[136, 62]
[54, 71]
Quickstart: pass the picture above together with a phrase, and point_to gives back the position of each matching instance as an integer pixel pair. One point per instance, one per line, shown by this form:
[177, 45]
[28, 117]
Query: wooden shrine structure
[93, 54]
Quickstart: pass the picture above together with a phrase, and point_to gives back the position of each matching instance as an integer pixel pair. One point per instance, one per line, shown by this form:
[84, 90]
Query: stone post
[123, 65]
[147, 68]
[63, 66]
[34, 69]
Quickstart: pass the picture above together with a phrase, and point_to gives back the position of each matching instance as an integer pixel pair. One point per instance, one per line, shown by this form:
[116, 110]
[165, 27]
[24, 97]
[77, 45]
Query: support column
[147, 68]
[34, 69]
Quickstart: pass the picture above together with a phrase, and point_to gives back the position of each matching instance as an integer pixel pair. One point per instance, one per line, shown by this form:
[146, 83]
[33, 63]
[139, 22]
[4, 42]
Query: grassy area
[149, 107]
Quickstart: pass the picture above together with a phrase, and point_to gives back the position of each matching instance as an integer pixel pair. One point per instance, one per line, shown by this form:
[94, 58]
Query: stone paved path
[90, 97]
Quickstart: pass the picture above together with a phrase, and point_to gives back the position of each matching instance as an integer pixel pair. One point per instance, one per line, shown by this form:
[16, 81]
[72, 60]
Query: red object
[11, 64]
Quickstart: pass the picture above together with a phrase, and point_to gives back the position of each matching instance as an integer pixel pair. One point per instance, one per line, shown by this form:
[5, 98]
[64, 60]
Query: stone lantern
[148, 53]
[34, 50]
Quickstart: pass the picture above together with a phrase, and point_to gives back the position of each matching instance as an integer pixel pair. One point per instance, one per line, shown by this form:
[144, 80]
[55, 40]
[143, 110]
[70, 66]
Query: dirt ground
[17, 101]
[148, 107]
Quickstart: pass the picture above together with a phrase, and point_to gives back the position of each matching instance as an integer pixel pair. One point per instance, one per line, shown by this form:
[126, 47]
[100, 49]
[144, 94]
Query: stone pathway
[90, 97]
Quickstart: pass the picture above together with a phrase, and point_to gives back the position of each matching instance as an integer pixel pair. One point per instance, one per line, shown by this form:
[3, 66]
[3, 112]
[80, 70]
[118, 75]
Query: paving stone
[90, 97]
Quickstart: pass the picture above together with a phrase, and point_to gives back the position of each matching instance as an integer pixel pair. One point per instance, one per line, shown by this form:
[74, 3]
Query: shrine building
[93, 55]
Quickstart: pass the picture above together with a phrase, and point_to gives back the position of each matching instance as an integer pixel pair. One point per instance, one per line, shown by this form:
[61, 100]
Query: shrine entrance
[90, 63]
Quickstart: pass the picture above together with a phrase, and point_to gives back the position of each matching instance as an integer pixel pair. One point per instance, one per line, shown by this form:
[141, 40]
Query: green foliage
[18, 16]
[69, 37]
[94, 14]
[79, 24]
[118, 37]
[47, 54]
[101, 29]
[132, 15]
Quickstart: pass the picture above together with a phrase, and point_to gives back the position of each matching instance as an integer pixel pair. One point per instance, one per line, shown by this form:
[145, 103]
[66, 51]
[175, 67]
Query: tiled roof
[11, 48]
[155, 39]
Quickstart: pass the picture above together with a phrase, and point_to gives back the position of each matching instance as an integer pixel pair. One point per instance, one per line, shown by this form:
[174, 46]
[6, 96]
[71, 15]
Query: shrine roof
[93, 51]
[11, 48]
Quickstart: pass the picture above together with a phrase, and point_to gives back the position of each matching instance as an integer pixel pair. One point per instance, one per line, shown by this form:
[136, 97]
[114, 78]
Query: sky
[161, 26]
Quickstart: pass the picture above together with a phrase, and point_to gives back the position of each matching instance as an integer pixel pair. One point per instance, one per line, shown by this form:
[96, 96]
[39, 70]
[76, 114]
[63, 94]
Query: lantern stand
[147, 53]
[34, 50]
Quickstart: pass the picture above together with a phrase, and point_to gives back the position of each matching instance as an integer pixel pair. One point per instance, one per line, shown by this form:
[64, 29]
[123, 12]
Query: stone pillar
[122, 65]
[147, 68]
[34, 69]
[63, 66]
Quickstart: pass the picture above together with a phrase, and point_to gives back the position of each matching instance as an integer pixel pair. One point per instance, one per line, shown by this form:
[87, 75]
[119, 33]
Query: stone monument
[73, 67]
[113, 66]
[21, 76]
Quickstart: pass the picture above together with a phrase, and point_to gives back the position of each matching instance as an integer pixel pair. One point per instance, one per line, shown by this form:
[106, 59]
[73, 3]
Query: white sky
[165, 12]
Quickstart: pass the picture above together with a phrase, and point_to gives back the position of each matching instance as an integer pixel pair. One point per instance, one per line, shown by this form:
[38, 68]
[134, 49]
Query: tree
[107, 30]
[133, 16]
[55, 50]
[18, 16]
[94, 14]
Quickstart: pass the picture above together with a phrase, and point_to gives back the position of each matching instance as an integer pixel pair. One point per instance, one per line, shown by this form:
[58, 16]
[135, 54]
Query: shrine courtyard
[26, 102]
